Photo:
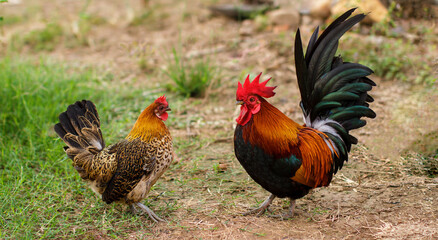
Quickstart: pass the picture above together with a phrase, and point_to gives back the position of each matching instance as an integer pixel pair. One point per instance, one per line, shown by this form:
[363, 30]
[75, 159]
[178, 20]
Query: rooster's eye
[251, 99]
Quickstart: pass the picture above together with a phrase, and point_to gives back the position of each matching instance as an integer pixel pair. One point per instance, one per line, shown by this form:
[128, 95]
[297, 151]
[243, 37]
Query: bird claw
[147, 210]
[259, 211]
[262, 209]
[287, 215]
[265, 207]
[134, 210]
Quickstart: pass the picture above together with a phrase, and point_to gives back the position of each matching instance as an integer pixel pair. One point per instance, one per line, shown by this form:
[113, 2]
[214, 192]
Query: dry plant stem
[289, 213]
[147, 210]
[265, 205]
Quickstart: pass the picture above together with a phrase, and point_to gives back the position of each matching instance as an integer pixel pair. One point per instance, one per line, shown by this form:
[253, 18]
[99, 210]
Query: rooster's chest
[260, 167]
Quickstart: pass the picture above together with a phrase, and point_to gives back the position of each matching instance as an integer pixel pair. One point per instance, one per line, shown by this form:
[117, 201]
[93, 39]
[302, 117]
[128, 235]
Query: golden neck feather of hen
[148, 126]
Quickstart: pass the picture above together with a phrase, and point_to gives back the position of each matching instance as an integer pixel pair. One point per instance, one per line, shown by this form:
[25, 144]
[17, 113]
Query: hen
[127, 170]
[286, 158]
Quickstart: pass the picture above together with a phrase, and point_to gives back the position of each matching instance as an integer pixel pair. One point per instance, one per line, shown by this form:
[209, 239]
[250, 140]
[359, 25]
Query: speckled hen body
[124, 171]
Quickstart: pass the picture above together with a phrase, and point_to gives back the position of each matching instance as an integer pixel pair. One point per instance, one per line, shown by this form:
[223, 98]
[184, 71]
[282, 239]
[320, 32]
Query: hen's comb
[162, 100]
[254, 87]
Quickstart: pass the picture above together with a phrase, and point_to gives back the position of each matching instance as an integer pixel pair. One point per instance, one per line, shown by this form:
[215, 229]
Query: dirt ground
[375, 196]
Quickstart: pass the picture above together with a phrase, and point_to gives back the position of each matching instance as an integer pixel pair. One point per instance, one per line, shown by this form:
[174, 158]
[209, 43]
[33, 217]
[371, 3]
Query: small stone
[375, 10]
[285, 17]
[320, 9]
[222, 167]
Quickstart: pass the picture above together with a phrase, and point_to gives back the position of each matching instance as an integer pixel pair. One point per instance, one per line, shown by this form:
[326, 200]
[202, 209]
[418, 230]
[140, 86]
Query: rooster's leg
[145, 209]
[289, 213]
[265, 205]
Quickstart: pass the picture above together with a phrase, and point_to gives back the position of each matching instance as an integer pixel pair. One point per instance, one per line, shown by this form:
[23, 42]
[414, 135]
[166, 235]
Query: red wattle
[164, 116]
[244, 116]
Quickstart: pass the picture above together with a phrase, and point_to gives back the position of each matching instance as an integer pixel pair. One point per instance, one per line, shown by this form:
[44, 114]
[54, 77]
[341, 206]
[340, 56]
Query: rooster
[127, 170]
[286, 158]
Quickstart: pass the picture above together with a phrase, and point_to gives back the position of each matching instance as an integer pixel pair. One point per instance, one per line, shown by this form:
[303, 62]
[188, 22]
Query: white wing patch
[321, 125]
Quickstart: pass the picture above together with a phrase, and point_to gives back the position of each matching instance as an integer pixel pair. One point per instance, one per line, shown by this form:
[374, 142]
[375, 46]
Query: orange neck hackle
[271, 130]
[148, 125]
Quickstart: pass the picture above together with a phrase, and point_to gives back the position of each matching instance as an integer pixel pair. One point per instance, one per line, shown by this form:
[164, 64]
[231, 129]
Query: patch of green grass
[384, 27]
[422, 155]
[391, 59]
[420, 164]
[10, 20]
[44, 39]
[191, 79]
[151, 18]
[41, 194]
[145, 17]
[427, 144]
[82, 27]
[1, 17]
[143, 54]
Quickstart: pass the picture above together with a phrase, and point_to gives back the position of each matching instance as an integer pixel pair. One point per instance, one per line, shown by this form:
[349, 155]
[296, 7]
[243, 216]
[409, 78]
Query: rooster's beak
[239, 102]
[167, 109]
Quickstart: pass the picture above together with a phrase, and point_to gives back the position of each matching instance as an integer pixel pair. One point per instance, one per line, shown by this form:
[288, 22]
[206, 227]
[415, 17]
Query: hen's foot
[265, 206]
[288, 214]
[147, 210]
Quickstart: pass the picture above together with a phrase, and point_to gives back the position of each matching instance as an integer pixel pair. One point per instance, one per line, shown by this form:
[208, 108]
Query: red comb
[254, 87]
[162, 100]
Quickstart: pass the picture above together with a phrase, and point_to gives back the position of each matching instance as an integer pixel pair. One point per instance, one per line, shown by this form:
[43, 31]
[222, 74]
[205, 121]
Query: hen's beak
[239, 102]
[167, 109]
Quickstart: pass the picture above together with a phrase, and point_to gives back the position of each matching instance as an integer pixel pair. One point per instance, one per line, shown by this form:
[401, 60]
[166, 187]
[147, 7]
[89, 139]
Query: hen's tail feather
[79, 128]
[334, 94]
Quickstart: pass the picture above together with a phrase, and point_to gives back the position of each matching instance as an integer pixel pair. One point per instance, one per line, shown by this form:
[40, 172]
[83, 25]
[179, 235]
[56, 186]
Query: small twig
[347, 180]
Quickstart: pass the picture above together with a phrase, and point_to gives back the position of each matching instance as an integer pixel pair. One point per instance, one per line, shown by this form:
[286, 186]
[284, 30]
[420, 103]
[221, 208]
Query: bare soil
[377, 195]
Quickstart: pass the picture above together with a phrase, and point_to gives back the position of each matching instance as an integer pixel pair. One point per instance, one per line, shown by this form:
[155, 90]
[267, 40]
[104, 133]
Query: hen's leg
[145, 209]
[265, 205]
[289, 213]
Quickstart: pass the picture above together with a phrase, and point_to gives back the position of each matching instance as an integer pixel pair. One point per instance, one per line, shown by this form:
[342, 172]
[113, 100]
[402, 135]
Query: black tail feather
[321, 60]
[301, 70]
[334, 94]
[79, 128]
[66, 123]
[311, 47]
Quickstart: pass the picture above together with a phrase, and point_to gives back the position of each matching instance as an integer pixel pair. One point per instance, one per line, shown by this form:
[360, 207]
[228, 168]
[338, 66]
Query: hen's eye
[252, 99]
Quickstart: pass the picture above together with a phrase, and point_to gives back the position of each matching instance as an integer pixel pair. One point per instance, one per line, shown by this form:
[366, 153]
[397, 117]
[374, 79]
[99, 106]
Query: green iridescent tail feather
[334, 93]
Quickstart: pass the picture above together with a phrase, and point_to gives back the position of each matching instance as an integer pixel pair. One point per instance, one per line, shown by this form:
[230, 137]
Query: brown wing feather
[134, 159]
